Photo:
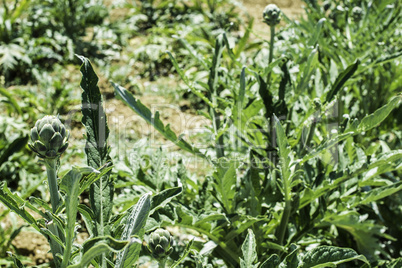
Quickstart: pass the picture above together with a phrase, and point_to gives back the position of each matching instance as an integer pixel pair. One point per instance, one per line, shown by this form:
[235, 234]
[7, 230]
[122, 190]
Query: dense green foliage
[300, 154]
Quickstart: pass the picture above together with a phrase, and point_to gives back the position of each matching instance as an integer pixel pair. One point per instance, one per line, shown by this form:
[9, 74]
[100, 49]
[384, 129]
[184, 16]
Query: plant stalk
[284, 222]
[162, 263]
[54, 199]
[52, 181]
[219, 143]
[271, 51]
[281, 231]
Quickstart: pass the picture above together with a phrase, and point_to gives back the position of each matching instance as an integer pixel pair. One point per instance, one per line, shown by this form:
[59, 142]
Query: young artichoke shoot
[272, 15]
[49, 137]
[160, 245]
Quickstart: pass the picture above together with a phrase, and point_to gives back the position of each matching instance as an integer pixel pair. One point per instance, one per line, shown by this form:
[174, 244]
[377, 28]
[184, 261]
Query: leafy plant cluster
[34, 35]
[303, 168]
[160, 24]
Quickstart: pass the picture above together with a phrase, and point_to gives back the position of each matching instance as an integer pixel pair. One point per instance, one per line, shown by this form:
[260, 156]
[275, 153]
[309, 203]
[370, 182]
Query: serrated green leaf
[11, 99]
[386, 158]
[248, 222]
[93, 177]
[184, 254]
[266, 94]
[209, 217]
[40, 202]
[242, 90]
[291, 260]
[16, 261]
[280, 107]
[308, 195]
[284, 151]
[160, 199]
[249, 251]
[134, 227]
[327, 145]
[365, 232]
[272, 262]
[216, 62]
[186, 218]
[395, 263]
[193, 54]
[88, 216]
[48, 233]
[387, 57]
[361, 159]
[154, 120]
[15, 146]
[379, 193]
[341, 80]
[97, 150]
[225, 184]
[308, 70]
[70, 184]
[94, 117]
[187, 81]
[94, 247]
[374, 119]
[17, 205]
[328, 256]
[316, 35]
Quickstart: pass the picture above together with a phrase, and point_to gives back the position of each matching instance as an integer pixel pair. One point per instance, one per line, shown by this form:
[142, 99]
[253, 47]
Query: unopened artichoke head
[160, 244]
[49, 137]
[272, 15]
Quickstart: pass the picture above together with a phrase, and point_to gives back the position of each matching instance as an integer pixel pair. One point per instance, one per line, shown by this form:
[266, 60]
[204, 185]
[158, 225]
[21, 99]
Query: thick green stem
[271, 51]
[162, 263]
[52, 181]
[54, 200]
[284, 222]
[219, 143]
[340, 109]
[281, 231]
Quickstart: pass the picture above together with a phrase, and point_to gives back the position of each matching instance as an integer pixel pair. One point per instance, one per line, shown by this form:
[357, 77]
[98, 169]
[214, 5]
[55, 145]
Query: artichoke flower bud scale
[34, 134]
[46, 133]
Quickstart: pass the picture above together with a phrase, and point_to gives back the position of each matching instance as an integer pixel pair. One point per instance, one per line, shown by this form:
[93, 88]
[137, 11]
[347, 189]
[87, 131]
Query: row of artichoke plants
[114, 243]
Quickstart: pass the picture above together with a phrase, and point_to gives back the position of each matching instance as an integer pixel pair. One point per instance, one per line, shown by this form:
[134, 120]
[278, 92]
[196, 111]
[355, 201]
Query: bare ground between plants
[123, 121]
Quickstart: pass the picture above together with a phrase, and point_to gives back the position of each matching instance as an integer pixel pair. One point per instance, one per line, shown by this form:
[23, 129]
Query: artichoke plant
[272, 15]
[160, 244]
[49, 140]
[49, 137]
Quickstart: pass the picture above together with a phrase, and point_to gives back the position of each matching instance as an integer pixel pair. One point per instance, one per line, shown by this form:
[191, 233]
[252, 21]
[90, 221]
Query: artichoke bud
[49, 137]
[160, 244]
[272, 15]
[357, 13]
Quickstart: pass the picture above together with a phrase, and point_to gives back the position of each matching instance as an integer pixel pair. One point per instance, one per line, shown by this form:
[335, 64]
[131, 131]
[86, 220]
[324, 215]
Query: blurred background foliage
[127, 41]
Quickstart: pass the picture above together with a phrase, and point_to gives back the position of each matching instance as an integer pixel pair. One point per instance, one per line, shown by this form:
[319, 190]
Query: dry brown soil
[34, 245]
